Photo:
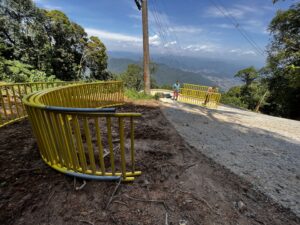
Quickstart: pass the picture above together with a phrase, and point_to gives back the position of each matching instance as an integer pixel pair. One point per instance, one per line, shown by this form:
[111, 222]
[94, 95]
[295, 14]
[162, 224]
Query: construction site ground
[183, 179]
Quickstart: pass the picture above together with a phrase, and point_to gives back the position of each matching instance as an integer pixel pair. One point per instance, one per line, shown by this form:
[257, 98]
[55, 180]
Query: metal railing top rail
[199, 87]
[187, 90]
[33, 83]
[92, 95]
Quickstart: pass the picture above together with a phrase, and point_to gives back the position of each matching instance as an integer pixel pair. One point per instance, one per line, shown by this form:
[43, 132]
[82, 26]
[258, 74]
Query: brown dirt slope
[185, 185]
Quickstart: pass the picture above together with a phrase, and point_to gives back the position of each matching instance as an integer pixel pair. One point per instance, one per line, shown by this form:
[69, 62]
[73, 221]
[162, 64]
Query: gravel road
[263, 149]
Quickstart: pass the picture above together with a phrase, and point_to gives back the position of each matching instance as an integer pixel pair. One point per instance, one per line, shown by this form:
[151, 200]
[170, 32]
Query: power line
[163, 31]
[235, 23]
[243, 30]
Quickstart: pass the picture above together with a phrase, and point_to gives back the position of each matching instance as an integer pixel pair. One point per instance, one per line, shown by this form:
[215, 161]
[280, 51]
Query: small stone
[182, 222]
[241, 206]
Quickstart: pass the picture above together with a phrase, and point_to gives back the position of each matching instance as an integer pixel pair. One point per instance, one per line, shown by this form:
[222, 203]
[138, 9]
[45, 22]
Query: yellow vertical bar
[99, 142]
[41, 134]
[69, 139]
[67, 147]
[50, 136]
[20, 96]
[9, 103]
[79, 144]
[25, 89]
[132, 144]
[31, 89]
[2, 102]
[15, 100]
[110, 145]
[89, 144]
[122, 148]
[1, 121]
[57, 138]
[59, 125]
[33, 119]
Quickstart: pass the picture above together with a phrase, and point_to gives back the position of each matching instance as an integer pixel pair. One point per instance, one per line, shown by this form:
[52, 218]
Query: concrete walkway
[263, 149]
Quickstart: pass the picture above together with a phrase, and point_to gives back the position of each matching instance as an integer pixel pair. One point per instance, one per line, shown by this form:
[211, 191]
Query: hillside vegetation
[275, 88]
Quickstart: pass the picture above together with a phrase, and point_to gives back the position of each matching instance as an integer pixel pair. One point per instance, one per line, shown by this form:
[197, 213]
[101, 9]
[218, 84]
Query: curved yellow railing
[78, 133]
[11, 107]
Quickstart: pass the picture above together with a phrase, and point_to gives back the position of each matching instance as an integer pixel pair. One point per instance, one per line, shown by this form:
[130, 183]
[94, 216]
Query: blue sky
[202, 28]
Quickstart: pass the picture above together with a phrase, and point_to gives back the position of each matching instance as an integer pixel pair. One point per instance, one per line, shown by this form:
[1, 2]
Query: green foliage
[133, 78]
[15, 71]
[233, 97]
[96, 58]
[247, 75]
[248, 95]
[50, 42]
[134, 94]
[283, 67]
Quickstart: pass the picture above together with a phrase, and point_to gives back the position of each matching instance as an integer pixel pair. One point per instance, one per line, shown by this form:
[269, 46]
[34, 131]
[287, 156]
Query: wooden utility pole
[146, 46]
[143, 4]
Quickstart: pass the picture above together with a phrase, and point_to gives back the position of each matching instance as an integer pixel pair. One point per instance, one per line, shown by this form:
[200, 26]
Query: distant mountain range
[211, 72]
[164, 73]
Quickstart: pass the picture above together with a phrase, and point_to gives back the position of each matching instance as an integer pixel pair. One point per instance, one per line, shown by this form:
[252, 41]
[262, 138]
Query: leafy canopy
[50, 42]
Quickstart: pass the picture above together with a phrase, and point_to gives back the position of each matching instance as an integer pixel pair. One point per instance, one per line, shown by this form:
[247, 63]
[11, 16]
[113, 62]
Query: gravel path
[263, 149]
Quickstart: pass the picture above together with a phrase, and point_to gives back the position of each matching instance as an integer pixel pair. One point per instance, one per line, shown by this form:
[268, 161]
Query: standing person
[176, 89]
[208, 93]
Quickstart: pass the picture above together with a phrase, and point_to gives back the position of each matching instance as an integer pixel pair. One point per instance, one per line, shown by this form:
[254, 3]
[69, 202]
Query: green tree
[247, 75]
[67, 44]
[133, 77]
[233, 97]
[49, 42]
[284, 63]
[96, 59]
[249, 91]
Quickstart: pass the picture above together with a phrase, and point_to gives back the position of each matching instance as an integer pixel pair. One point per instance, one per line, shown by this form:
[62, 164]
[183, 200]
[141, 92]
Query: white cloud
[154, 40]
[185, 29]
[250, 52]
[168, 44]
[201, 48]
[224, 25]
[107, 35]
[222, 12]
[241, 52]
[116, 40]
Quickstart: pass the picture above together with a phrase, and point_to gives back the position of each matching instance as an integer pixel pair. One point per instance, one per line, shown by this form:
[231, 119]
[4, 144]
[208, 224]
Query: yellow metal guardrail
[76, 135]
[11, 106]
[195, 94]
[197, 87]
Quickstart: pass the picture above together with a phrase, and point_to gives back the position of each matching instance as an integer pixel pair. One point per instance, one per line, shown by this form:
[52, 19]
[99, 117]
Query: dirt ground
[178, 183]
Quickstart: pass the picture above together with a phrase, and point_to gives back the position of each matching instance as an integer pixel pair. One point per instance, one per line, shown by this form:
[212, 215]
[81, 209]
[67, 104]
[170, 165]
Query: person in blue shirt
[176, 89]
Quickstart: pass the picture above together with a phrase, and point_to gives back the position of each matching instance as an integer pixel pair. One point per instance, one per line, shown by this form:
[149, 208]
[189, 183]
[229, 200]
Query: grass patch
[133, 94]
